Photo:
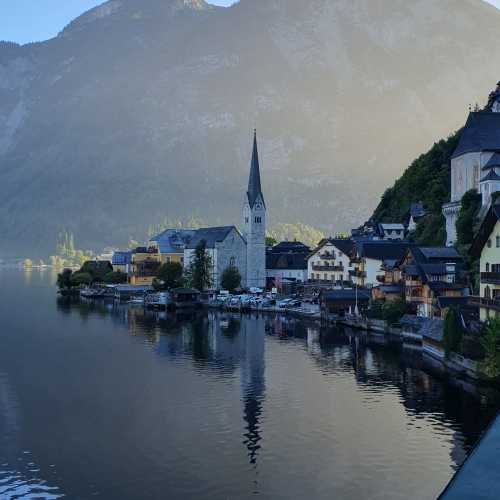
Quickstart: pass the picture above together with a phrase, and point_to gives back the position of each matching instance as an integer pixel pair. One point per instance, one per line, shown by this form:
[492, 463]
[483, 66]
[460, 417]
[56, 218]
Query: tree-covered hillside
[427, 179]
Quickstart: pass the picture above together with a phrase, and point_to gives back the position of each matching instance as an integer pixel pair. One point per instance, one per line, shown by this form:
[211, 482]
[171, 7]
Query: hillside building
[486, 247]
[475, 162]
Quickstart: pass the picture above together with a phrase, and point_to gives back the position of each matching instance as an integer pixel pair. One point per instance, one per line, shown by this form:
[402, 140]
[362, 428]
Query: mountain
[145, 108]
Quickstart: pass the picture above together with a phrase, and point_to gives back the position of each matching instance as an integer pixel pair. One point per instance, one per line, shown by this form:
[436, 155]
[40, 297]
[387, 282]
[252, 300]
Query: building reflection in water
[231, 345]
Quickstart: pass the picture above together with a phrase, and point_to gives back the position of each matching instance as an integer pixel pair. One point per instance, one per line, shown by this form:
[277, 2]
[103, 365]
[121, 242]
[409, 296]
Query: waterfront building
[171, 244]
[344, 301]
[486, 247]
[286, 263]
[226, 247]
[429, 273]
[474, 163]
[369, 258]
[144, 266]
[330, 261]
[121, 261]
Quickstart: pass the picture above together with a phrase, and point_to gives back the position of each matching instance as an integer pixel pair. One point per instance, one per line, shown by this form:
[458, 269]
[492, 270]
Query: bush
[453, 332]
[394, 310]
[170, 275]
[491, 346]
[80, 278]
[115, 278]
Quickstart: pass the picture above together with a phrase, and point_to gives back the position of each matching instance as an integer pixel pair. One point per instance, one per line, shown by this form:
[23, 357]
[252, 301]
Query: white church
[227, 246]
[475, 163]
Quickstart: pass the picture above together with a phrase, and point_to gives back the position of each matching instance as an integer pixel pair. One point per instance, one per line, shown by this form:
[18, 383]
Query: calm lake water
[111, 402]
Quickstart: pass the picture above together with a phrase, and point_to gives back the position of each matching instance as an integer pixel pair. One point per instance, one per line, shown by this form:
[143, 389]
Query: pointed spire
[254, 186]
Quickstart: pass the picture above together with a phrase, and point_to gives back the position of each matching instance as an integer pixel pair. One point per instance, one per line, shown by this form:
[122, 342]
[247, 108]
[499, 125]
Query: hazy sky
[34, 20]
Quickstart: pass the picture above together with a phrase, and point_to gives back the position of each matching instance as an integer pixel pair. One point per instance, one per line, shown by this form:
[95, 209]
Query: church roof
[211, 235]
[491, 176]
[494, 161]
[254, 185]
[481, 133]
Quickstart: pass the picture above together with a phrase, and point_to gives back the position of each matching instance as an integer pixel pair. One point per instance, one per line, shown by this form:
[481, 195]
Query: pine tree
[201, 267]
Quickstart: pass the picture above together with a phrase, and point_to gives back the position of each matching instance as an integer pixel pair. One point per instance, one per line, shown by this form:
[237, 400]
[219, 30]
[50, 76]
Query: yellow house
[486, 246]
[170, 244]
[144, 266]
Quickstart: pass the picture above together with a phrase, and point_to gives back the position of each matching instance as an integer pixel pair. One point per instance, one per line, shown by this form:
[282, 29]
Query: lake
[110, 401]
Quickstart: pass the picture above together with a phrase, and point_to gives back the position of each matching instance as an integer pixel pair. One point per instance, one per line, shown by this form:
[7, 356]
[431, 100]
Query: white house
[330, 261]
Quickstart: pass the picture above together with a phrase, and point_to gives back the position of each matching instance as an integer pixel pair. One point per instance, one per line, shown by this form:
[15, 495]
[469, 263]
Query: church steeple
[254, 186]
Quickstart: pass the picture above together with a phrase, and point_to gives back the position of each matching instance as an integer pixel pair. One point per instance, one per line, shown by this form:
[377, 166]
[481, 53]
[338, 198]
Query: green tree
[427, 179]
[394, 310]
[115, 278]
[171, 275]
[64, 281]
[231, 279]
[491, 345]
[201, 267]
[467, 218]
[270, 241]
[453, 332]
[80, 278]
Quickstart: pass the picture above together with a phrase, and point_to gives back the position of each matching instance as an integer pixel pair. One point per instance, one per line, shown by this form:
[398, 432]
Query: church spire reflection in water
[253, 383]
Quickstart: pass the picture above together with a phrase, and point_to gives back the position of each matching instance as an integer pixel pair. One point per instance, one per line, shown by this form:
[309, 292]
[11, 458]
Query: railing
[327, 256]
[317, 267]
[493, 278]
[484, 302]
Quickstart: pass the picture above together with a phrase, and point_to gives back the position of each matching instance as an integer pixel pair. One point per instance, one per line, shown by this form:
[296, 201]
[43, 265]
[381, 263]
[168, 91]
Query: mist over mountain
[145, 108]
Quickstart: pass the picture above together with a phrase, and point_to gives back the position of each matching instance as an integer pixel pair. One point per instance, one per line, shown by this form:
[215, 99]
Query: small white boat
[136, 300]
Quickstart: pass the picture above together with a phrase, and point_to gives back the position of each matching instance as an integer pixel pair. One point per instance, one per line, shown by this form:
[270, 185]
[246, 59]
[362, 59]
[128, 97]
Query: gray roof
[382, 250]
[346, 294]
[174, 240]
[494, 161]
[412, 320]
[254, 185]
[481, 133]
[211, 235]
[439, 252]
[491, 176]
[417, 209]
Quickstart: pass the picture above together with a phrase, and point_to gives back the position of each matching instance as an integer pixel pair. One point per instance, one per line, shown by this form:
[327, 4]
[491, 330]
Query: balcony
[486, 303]
[358, 274]
[327, 256]
[490, 278]
[317, 267]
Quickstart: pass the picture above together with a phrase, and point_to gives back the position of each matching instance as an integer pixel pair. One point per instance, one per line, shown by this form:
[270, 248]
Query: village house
[121, 261]
[344, 301]
[429, 273]
[286, 263]
[330, 261]
[417, 211]
[369, 258]
[393, 232]
[486, 247]
[144, 266]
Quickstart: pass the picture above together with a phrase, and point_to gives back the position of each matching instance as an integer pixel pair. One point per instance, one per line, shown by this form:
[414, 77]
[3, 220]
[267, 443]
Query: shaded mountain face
[145, 108]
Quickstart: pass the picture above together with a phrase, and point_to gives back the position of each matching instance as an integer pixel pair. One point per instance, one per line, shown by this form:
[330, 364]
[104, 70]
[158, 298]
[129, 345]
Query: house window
[487, 267]
[487, 293]
[498, 241]
[489, 243]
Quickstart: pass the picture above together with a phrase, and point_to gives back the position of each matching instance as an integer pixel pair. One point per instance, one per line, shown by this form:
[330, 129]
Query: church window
[258, 220]
[246, 220]
[232, 262]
